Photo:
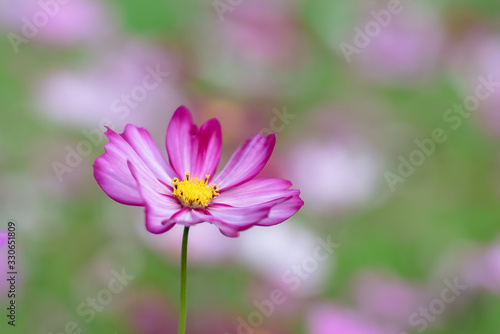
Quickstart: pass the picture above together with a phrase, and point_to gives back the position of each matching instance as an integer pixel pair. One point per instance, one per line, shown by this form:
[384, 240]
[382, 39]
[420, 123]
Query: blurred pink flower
[491, 262]
[482, 268]
[395, 55]
[76, 21]
[261, 31]
[149, 313]
[252, 49]
[331, 319]
[387, 297]
[296, 272]
[132, 83]
[132, 171]
[345, 173]
[478, 57]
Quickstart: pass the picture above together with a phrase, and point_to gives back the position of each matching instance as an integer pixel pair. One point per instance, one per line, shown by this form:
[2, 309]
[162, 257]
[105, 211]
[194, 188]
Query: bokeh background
[343, 124]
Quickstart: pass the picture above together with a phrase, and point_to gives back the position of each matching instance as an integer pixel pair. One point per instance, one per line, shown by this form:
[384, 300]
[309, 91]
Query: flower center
[194, 192]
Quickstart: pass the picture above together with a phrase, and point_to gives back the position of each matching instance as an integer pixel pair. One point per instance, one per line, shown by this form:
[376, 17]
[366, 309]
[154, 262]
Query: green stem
[182, 318]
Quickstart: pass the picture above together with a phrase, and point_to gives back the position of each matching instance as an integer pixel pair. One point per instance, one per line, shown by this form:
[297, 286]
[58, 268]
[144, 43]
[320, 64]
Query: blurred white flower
[334, 174]
[286, 256]
[206, 244]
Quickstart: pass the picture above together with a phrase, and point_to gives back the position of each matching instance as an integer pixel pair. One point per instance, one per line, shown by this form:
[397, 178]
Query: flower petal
[190, 216]
[160, 207]
[256, 191]
[146, 148]
[282, 211]
[231, 220]
[111, 171]
[191, 149]
[246, 162]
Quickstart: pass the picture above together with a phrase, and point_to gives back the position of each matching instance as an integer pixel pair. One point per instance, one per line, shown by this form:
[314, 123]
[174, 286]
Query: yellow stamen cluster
[194, 192]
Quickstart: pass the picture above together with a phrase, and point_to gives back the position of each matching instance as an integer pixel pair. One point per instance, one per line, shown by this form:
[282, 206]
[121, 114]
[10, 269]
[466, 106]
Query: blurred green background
[349, 123]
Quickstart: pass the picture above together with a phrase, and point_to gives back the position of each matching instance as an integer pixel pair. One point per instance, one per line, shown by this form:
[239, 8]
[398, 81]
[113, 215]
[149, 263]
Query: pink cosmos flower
[132, 171]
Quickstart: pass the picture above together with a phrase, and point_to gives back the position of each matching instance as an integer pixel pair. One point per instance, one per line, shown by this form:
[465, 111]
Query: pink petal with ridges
[282, 211]
[246, 162]
[146, 148]
[160, 207]
[231, 220]
[256, 191]
[111, 171]
[191, 149]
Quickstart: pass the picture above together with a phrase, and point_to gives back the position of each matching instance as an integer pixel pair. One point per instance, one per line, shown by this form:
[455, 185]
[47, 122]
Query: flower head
[186, 191]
